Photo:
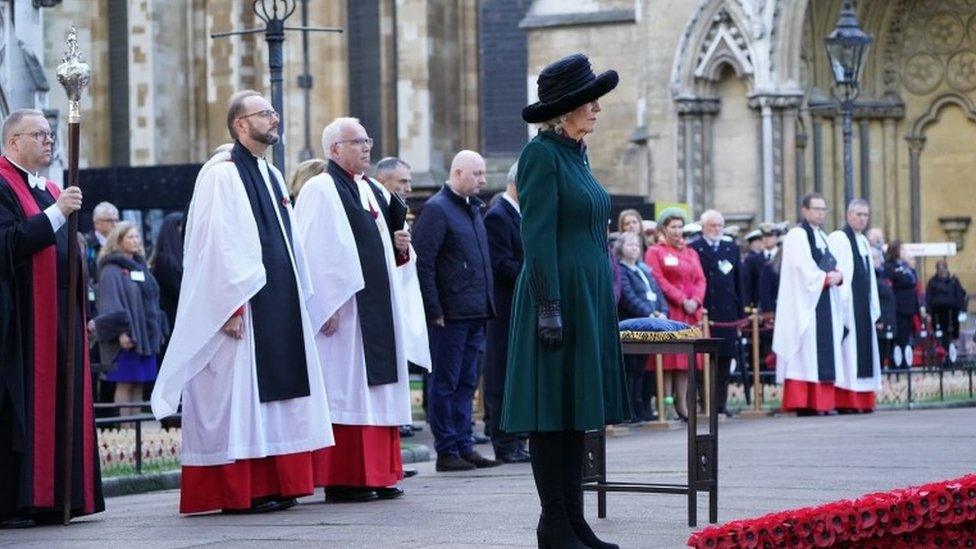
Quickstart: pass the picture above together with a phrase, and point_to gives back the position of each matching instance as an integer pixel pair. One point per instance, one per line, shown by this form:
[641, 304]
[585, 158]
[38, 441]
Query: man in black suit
[723, 300]
[502, 224]
[762, 247]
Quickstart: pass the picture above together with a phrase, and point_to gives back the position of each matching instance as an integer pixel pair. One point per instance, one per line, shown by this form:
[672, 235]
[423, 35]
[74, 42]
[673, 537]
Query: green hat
[671, 213]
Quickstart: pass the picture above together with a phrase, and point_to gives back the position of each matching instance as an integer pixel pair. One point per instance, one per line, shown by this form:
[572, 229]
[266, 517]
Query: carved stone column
[915, 146]
[695, 168]
[774, 109]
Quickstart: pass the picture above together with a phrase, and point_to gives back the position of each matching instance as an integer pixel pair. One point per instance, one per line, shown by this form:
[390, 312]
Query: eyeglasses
[367, 141]
[109, 220]
[38, 135]
[266, 114]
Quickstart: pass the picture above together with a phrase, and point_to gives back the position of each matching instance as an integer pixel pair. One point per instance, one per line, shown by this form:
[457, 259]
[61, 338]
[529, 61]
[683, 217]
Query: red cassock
[239, 484]
[679, 273]
[363, 456]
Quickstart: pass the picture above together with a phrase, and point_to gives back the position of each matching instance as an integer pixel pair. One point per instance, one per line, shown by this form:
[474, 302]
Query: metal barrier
[136, 419]
[904, 387]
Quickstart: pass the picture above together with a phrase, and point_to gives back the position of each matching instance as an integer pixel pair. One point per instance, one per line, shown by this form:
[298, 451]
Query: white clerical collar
[33, 179]
[514, 204]
[467, 200]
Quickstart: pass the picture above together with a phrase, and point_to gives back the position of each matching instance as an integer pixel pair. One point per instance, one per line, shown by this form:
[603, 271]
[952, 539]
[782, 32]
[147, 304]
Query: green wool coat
[579, 385]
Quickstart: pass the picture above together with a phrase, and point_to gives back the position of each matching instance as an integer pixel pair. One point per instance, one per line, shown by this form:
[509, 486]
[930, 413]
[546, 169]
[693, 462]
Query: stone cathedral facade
[727, 104]
[722, 103]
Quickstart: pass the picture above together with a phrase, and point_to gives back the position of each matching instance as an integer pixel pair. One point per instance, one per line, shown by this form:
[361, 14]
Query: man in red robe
[33, 339]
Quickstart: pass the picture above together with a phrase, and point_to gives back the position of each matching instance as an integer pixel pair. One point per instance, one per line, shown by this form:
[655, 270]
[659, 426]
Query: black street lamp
[846, 47]
[274, 13]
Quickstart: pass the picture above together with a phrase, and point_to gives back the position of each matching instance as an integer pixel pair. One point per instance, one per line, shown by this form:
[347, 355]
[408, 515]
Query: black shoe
[287, 503]
[349, 494]
[556, 534]
[17, 522]
[448, 463]
[392, 492]
[257, 508]
[480, 461]
[407, 473]
[516, 456]
[405, 431]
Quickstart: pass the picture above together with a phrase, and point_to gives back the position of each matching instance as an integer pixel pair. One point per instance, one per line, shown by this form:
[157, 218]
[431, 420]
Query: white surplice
[840, 246]
[795, 331]
[322, 225]
[414, 315]
[223, 418]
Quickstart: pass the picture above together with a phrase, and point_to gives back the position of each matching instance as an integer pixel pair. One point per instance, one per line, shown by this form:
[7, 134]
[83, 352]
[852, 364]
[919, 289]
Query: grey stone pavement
[765, 465]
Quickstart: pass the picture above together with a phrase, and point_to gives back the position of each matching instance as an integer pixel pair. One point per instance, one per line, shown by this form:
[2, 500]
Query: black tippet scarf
[825, 333]
[374, 302]
[861, 293]
[279, 342]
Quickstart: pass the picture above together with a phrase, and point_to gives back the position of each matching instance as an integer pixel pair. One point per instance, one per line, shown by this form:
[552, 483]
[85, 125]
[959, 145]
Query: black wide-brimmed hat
[566, 84]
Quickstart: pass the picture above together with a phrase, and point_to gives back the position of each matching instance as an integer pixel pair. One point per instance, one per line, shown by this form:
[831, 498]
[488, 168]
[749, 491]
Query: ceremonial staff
[73, 74]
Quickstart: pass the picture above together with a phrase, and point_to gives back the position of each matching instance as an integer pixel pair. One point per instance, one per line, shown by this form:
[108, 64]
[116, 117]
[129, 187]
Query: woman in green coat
[565, 368]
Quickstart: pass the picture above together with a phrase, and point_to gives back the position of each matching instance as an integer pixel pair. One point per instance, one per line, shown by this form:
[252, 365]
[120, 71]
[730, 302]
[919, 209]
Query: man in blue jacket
[503, 222]
[454, 267]
[723, 299]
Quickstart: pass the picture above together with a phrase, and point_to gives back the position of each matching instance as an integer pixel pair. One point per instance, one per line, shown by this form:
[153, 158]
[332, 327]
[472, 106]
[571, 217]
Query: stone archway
[712, 79]
[941, 167]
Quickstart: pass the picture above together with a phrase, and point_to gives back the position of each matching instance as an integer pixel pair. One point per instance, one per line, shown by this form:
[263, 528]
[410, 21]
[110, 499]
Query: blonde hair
[629, 212]
[113, 243]
[305, 171]
[553, 125]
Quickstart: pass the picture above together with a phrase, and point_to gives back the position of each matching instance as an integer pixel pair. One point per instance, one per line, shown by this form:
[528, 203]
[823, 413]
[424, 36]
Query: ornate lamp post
[846, 47]
[274, 13]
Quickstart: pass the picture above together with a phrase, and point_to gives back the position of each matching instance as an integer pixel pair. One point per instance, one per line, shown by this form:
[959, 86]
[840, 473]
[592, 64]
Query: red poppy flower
[941, 500]
[824, 537]
[748, 537]
[867, 520]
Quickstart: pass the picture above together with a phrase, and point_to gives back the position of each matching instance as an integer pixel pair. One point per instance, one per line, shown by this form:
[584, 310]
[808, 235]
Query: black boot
[572, 472]
[554, 530]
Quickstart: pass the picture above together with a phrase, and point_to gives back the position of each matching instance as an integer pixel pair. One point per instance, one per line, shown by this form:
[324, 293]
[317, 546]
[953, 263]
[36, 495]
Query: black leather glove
[550, 324]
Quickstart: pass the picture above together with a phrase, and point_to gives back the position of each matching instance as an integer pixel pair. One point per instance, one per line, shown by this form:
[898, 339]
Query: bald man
[456, 282]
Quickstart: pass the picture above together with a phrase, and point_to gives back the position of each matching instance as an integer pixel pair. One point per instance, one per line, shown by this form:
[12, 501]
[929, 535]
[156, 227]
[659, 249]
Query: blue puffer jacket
[452, 258]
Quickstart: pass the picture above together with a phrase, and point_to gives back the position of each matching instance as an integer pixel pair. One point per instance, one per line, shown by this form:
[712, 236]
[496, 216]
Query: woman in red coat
[679, 274]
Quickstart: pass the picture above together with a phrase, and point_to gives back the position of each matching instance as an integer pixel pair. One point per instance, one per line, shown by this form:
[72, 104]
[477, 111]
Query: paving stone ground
[765, 465]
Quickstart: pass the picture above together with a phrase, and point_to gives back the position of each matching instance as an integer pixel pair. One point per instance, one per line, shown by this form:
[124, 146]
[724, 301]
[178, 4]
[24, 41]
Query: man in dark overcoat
[502, 224]
[723, 301]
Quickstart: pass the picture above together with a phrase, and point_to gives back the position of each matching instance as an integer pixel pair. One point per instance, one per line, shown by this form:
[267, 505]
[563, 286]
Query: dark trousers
[904, 329]
[503, 443]
[947, 320]
[453, 380]
[722, 381]
[640, 387]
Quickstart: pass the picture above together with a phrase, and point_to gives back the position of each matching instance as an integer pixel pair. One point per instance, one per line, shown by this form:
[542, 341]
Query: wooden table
[702, 447]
